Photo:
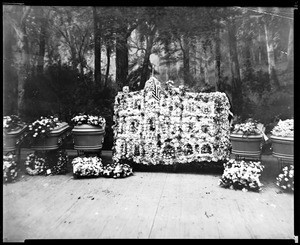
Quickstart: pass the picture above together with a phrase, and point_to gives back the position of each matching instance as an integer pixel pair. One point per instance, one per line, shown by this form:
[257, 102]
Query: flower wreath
[47, 163]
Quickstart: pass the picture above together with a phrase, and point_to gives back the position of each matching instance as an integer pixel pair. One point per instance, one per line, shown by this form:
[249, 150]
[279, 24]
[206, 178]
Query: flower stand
[88, 138]
[54, 140]
[246, 146]
[283, 148]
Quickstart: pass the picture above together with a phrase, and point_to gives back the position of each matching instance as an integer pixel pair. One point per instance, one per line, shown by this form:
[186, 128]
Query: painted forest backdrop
[65, 60]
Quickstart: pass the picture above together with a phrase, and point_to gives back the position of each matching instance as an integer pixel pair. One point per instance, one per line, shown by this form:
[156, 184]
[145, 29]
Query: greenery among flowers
[285, 179]
[249, 127]
[10, 171]
[93, 167]
[48, 163]
[241, 175]
[12, 122]
[284, 128]
[97, 121]
[156, 126]
[42, 127]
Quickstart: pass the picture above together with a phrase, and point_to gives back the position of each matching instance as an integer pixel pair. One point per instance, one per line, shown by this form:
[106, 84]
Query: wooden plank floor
[145, 205]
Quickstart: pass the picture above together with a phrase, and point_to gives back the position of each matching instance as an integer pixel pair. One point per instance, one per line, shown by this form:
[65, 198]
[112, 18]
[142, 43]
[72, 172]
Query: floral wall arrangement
[167, 126]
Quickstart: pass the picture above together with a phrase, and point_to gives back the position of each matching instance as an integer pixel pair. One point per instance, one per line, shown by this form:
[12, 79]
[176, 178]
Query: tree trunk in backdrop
[290, 50]
[237, 98]
[25, 57]
[97, 48]
[217, 61]
[186, 60]
[122, 60]
[42, 43]
[271, 57]
[108, 51]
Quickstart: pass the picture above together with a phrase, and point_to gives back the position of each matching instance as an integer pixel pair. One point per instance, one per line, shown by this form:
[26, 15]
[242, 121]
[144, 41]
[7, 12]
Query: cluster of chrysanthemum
[242, 175]
[46, 163]
[10, 171]
[93, 167]
[177, 126]
[284, 128]
[42, 127]
[12, 122]
[250, 127]
[285, 179]
[92, 120]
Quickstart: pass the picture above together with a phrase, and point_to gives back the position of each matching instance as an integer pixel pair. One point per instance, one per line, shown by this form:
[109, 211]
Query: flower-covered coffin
[156, 126]
[14, 131]
[12, 138]
[283, 140]
[53, 141]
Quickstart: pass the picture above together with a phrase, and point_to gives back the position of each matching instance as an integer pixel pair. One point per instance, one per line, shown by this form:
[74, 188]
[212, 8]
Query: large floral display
[167, 126]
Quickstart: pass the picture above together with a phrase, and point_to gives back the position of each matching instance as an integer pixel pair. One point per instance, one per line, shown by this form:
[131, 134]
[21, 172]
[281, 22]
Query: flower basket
[13, 137]
[246, 146]
[53, 140]
[283, 148]
[88, 137]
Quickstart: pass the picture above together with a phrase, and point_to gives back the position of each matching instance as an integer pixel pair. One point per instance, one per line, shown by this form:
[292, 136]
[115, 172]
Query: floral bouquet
[284, 128]
[87, 166]
[118, 170]
[241, 175]
[285, 179]
[42, 127]
[10, 172]
[249, 127]
[12, 122]
[97, 121]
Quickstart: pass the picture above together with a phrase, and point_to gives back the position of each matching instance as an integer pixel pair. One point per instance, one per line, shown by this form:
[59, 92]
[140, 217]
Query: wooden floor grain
[145, 205]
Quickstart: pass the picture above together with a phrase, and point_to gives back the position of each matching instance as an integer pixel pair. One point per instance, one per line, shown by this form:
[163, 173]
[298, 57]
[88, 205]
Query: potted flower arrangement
[14, 130]
[246, 139]
[241, 175]
[285, 180]
[47, 133]
[88, 132]
[282, 137]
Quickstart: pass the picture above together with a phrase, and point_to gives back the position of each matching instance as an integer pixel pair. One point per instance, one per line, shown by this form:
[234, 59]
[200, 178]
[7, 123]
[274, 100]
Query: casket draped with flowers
[167, 126]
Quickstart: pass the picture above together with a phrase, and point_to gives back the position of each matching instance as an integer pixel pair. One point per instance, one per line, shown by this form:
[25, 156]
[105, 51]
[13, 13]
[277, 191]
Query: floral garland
[39, 163]
[148, 127]
[285, 179]
[10, 171]
[284, 128]
[241, 175]
[93, 167]
[92, 120]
